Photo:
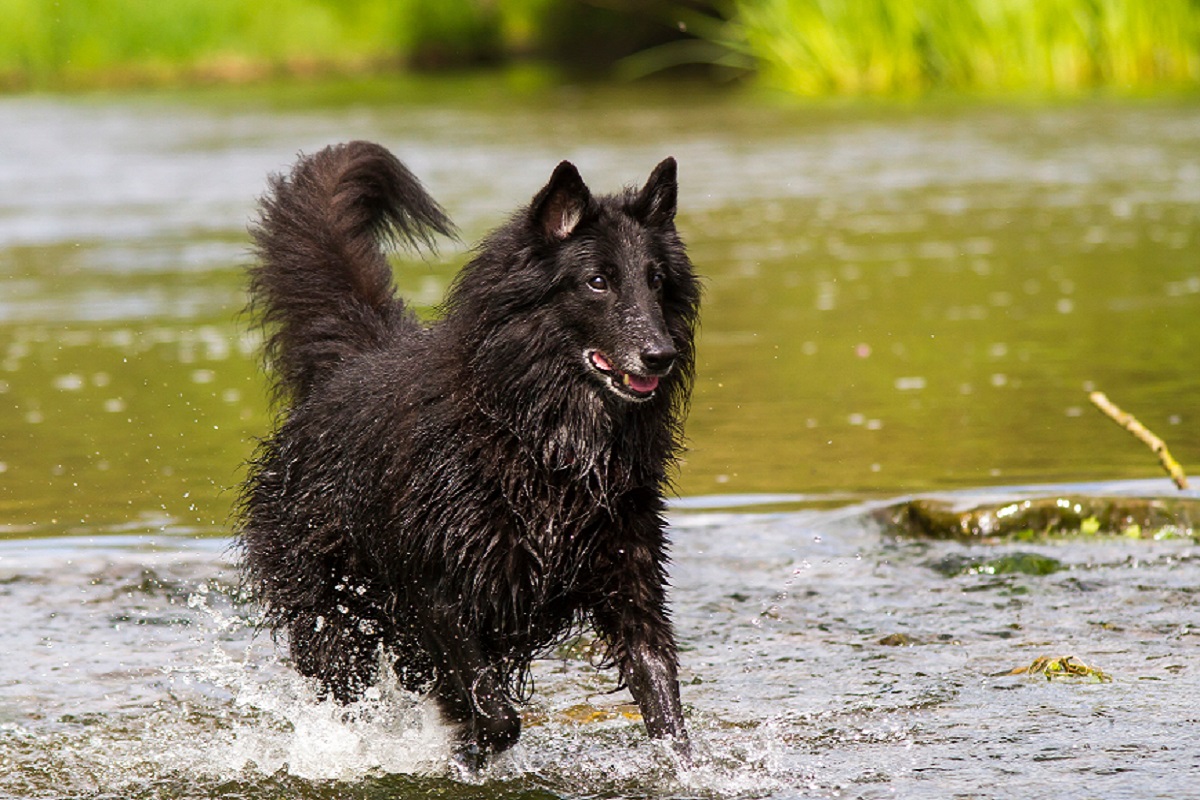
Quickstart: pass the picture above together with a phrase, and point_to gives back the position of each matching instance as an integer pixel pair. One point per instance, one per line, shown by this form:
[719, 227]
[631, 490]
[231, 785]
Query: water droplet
[69, 382]
[910, 383]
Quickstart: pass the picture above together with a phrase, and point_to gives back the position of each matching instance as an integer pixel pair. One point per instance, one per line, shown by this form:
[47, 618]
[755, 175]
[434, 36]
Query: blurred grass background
[887, 46]
[810, 47]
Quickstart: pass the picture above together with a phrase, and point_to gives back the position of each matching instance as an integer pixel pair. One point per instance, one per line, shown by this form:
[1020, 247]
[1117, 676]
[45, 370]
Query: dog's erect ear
[655, 205]
[560, 205]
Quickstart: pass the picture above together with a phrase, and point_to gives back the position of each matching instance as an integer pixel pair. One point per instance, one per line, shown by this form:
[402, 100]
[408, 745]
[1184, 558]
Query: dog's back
[462, 495]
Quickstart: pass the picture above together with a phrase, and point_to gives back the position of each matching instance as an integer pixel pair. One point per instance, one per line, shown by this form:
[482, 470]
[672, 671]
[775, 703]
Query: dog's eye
[656, 279]
[598, 282]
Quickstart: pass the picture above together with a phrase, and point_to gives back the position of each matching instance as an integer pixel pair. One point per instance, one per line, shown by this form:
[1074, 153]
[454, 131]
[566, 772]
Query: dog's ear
[560, 205]
[655, 204]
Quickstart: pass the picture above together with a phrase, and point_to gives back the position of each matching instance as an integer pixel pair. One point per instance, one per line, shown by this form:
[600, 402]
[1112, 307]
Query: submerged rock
[1010, 564]
[1136, 517]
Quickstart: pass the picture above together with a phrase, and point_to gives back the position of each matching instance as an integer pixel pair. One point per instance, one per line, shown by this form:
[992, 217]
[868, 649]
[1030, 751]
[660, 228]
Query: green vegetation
[816, 47]
[84, 42]
[810, 47]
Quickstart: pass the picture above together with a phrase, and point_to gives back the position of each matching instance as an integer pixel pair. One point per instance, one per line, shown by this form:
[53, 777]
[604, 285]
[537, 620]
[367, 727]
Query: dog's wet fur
[457, 497]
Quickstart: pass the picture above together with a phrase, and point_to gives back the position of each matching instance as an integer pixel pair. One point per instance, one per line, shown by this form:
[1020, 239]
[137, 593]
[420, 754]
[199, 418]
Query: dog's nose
[659, 358]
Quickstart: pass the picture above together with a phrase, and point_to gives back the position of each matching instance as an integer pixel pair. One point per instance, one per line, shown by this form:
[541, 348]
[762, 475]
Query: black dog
[458, 497]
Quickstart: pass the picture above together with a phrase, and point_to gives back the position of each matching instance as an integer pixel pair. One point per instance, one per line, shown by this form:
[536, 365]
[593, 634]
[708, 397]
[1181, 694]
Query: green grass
[820, 47]
[75, 42]
[809, 47]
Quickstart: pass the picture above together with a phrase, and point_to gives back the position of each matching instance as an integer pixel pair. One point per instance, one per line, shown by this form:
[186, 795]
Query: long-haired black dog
[459, 496]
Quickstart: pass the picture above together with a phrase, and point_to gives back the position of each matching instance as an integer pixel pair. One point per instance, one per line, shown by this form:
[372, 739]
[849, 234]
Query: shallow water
[133, 672]
[899, 299]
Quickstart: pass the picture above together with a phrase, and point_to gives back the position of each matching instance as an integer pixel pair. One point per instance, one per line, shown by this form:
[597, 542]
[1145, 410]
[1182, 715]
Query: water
[899, 299]
[132, 672]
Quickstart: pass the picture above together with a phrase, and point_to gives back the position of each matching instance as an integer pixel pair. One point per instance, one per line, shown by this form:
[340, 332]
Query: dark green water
[899, 299]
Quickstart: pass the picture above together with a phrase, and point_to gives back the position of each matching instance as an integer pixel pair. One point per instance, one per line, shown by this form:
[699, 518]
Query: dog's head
[626, 293]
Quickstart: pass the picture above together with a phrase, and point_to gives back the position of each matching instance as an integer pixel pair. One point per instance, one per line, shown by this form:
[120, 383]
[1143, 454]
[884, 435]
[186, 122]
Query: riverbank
[803, 47]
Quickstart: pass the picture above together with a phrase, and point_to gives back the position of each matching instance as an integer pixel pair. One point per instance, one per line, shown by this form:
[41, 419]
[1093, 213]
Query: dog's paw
[469, 759]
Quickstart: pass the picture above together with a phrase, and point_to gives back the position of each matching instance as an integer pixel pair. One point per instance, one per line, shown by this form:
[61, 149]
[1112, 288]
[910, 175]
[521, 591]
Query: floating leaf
[1062, 667]
[898, 640]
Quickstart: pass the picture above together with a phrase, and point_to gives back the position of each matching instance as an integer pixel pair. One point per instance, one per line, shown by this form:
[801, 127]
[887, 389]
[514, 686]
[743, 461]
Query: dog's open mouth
[626, 384]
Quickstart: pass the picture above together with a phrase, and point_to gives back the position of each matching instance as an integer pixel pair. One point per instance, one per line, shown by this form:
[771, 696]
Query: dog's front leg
[633, 619]
[653, 681]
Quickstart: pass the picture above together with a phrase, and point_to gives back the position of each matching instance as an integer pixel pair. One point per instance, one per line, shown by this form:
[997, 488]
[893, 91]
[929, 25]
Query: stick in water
[1130, 423]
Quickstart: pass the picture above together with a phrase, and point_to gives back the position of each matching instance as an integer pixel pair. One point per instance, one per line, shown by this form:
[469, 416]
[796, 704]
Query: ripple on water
[820, 657]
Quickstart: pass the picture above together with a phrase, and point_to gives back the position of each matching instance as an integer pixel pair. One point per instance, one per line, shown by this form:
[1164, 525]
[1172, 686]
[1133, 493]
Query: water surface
[899, 299]
[821, 658]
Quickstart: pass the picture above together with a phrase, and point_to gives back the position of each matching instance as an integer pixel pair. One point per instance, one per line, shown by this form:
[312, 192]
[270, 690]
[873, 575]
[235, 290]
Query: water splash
[287, 727]
[280, 723]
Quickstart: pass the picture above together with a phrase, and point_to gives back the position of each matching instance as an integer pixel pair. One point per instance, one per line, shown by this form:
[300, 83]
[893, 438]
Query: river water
[900, 299]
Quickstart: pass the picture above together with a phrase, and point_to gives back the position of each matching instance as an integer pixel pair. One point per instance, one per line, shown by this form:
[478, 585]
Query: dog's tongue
[642, 384]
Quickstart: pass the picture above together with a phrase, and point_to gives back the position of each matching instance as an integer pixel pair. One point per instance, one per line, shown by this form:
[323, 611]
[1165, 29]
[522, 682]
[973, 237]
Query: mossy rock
[1034, 517]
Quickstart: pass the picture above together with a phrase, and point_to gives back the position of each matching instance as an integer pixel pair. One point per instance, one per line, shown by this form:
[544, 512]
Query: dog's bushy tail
[322, 288]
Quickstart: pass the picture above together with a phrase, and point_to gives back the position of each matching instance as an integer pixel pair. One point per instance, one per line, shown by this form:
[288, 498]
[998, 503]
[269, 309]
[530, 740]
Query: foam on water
[271, 721]
[285, 726]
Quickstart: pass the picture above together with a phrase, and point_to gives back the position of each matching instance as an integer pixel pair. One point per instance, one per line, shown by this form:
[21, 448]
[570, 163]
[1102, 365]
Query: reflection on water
[899, 299]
